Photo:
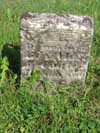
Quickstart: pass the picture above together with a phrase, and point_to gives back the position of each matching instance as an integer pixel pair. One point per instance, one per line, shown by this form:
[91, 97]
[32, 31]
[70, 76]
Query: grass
[74, 108]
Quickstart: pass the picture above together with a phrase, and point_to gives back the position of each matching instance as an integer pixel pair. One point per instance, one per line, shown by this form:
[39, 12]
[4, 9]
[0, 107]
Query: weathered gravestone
[58, 45]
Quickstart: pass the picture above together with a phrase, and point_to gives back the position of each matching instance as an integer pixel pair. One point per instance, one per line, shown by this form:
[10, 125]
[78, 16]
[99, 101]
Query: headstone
[58, 45]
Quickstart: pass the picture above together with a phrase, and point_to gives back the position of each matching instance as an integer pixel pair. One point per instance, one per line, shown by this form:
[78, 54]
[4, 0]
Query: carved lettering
[56, 45]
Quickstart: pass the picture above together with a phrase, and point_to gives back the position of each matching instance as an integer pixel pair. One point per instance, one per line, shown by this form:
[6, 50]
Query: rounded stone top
[55, 21]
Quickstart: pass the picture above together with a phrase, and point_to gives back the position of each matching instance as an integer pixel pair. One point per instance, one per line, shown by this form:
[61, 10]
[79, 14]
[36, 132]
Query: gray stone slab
[58, 45]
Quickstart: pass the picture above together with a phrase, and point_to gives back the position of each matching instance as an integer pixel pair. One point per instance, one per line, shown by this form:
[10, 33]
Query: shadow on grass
[13, 55]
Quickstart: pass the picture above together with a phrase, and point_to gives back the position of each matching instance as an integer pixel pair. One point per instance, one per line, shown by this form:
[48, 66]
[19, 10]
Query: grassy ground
[75, 108]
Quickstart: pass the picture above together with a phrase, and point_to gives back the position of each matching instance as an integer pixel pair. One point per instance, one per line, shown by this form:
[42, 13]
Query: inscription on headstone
[58, 45]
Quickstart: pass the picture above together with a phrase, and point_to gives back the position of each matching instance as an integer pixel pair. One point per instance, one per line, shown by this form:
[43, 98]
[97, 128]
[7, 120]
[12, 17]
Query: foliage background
[74, 108]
